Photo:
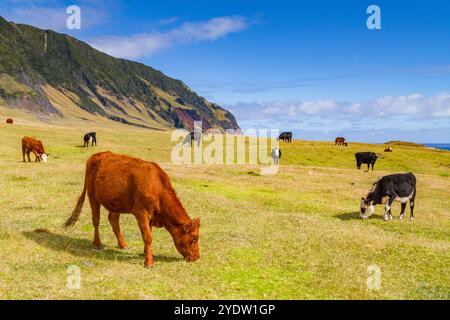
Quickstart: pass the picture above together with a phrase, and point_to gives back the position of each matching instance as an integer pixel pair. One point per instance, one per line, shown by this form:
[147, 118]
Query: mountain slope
[54, 74]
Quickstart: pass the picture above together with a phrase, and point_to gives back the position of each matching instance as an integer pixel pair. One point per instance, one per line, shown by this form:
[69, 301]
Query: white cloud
[415, 106]
[133, 46]
[208, 30]
[320, 106]
[310, 108]
[440, 105]
[146, 44]
[411, 104]
[428, 120]
[168, 21]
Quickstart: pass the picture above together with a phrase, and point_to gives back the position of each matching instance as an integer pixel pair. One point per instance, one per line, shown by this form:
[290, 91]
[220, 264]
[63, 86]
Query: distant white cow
[276, 156]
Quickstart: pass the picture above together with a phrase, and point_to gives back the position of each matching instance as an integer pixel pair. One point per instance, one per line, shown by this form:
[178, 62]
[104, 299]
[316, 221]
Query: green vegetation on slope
[69, 64]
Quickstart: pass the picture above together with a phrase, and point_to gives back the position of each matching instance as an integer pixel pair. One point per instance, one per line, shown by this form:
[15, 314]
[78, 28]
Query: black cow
[365, 157]
[90, 137]
[396, 187]
[196, 137]
[285, 137]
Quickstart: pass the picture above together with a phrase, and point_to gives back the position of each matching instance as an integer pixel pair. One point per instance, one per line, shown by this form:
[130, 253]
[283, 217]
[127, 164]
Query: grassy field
[295, 235]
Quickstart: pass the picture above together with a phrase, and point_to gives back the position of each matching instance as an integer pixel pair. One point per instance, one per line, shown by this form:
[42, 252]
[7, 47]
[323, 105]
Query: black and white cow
[366, 157]
[90, 137]
[396, 187]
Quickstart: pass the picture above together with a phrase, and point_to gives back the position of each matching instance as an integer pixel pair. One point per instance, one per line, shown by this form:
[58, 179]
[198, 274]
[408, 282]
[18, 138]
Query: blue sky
[312, 67]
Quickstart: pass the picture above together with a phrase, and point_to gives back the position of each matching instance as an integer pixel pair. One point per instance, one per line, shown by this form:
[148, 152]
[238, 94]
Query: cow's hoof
[98, 248]
[124, 248]
[390, 218]
[412, 218]
[385, 219]
[148, 266]
[400, 217]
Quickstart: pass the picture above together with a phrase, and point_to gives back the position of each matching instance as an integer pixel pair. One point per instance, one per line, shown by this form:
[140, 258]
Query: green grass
[9, 87]
[295, 235]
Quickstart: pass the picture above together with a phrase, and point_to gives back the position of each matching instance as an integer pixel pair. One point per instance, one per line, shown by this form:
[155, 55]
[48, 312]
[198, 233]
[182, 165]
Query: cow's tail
[77, 211]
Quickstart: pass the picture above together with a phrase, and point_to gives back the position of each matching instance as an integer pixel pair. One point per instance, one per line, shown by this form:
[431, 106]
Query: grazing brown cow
[124, 184]
[33, 145]
[340, 141]
[388, 149]
[9, 121]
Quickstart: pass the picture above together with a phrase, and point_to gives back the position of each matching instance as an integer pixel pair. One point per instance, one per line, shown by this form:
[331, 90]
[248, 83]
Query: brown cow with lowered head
[124, 184]
[9, 121]
[33, 145]
[340, 141]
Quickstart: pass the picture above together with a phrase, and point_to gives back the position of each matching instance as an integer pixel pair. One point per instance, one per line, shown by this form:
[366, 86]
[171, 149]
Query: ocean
[443, 146]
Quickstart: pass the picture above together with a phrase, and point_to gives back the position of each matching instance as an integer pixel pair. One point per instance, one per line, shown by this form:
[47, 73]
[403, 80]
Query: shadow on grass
[83, 248]
[354, 216]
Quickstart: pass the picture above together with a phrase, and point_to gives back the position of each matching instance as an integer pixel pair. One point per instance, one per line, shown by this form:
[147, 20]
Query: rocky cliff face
[56, 75]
